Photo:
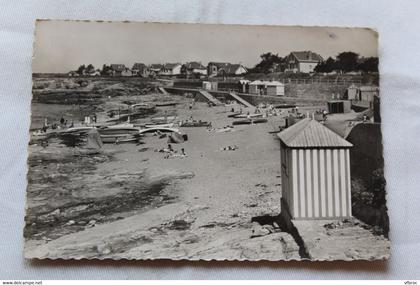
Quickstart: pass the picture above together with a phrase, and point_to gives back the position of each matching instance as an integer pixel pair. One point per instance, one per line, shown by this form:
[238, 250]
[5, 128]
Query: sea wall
[257, 99]
[322, 91]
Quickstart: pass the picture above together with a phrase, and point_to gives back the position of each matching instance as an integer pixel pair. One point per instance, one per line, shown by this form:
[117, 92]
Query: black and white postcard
[205, 142]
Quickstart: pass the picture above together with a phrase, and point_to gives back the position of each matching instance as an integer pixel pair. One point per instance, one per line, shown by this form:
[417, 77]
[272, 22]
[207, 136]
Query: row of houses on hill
[171, 69]
[296, 62]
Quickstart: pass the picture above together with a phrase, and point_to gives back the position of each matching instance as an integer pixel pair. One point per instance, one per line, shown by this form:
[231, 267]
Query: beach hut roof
[308, 133]
[273, 83]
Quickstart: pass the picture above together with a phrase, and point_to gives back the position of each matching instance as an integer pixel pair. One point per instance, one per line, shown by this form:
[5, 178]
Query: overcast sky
[61, 46]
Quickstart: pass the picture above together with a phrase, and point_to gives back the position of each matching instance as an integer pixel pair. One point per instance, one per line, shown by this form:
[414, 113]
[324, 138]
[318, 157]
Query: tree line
[347, 62]
[343, 62]
[88, 69]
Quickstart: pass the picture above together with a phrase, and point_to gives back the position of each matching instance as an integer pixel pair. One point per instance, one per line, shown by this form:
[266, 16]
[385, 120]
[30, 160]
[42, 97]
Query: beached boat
[79, 129]
[132, 116]
[249, 121]
[162, 130]
[118, 131]
[143, 106]
[165, 104]
[170, 125]
[195, 124]
[248, 115]
[163, 119]
[234, 114]
[123, 125]
[120, 138]
[121, 133]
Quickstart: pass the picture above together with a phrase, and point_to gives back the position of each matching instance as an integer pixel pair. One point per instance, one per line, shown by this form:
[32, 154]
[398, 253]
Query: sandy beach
[219, 200]
[208, 192]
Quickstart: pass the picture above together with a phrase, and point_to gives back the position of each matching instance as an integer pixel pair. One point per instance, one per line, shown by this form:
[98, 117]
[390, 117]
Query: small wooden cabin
[339, 106]
[315, 172]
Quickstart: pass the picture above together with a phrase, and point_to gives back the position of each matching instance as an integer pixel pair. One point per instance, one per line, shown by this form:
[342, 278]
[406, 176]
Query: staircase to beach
[210, 97]
[240, 100]
[162, 90]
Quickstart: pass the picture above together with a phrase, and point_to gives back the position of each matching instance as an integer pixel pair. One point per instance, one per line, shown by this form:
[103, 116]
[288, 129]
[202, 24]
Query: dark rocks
[259, 231]
[179, 225]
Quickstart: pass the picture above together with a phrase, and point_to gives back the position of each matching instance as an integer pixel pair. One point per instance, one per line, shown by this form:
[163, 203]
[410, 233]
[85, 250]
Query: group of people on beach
[170, 152]
[61, 124]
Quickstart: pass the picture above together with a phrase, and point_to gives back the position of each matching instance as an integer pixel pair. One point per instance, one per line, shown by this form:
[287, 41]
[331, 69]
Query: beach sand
[210, 214]
[130, 201]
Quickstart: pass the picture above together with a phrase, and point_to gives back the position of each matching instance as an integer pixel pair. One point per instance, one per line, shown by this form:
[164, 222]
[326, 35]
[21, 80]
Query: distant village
[295, 62]
[268, 77]
[166, 69]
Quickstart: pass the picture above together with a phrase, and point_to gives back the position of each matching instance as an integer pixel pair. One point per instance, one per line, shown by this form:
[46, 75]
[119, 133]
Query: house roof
[171, 65]
[117, 67]
[308, 133]
[219, 64]
[229, 68]
[156, 66]
[139, 66]
[194, 65]
[308, 56]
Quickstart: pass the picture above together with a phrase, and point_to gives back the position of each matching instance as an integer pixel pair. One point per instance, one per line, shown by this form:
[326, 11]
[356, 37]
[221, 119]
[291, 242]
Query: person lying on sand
[169, 149]
[235, 147]
[175, 154]
[225, 129]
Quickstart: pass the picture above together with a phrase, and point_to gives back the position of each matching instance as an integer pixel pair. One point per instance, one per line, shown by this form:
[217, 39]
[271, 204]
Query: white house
[225, 69]
[302, 61]
[194, 67]
[171, 69]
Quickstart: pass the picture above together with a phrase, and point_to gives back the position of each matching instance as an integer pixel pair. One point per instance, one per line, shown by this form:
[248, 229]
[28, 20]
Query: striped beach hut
[315, 172]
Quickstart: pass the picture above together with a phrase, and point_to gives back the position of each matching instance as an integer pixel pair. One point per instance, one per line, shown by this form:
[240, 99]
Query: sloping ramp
[162, 90]
[240, 100]
[210, 97]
